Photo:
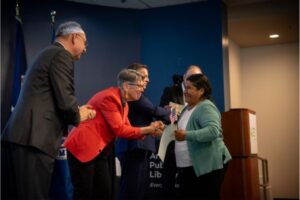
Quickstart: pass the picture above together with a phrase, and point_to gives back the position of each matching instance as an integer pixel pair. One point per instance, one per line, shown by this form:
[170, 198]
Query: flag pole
[53, 14]
[17, 9]
[20, 62]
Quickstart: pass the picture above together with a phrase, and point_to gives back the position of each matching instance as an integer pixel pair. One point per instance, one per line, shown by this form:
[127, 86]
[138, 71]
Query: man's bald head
[193, 69]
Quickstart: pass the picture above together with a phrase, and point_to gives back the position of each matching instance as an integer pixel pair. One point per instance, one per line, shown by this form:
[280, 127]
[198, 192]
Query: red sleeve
[118, 122]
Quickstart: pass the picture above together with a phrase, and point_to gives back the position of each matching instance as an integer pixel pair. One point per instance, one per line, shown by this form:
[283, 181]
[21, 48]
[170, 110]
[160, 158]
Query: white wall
[235, 81]
[266, 80]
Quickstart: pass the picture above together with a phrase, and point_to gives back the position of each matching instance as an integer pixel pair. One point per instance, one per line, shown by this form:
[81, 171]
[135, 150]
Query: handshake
[158, 128]
[155, 129]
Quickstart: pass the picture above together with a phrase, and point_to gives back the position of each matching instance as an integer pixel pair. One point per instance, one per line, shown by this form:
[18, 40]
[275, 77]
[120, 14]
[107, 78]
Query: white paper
[253, 133]
[166, 138]
[178, 107]
[118, 167]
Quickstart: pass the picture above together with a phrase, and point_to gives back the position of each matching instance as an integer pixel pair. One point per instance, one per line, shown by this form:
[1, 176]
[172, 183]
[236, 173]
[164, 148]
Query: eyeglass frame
[136, 84]
[83, 39]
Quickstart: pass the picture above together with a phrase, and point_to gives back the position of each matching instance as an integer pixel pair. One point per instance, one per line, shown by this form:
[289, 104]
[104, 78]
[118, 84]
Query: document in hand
[178, 107]
[166, 138]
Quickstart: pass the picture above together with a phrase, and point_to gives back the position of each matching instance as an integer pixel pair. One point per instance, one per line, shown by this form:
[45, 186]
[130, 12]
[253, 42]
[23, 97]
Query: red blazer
[87, 140]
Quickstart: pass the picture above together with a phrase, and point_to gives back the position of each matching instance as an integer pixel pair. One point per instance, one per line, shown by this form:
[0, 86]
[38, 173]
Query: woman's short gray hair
[68, 28]
[128, 75]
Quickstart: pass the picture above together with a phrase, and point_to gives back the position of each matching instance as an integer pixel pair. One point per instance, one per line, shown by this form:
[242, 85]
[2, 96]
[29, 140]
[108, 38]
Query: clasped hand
[86, 112]
[158, 127]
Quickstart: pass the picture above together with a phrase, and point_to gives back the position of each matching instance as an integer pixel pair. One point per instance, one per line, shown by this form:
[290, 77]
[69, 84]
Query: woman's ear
[125, 86]
[202, 91]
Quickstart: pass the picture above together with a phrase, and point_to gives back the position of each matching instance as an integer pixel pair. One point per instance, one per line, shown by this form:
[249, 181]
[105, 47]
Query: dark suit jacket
[173, 93]
[46, 103]
[142, 113]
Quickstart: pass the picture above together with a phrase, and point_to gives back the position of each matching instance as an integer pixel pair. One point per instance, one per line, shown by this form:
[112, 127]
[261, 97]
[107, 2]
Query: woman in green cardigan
[201, 155]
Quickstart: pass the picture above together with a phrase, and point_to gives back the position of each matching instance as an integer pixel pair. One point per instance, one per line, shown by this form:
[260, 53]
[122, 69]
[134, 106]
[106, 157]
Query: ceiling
[249, 21]
[137, 4]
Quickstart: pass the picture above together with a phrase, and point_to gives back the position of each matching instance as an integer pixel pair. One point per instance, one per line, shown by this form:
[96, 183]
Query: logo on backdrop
[62, 154]
[155, 173]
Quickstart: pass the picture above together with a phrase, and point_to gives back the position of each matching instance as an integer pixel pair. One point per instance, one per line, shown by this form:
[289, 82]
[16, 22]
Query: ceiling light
[274, 36]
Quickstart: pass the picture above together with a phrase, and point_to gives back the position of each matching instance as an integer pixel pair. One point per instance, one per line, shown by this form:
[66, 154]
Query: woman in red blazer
[88, 144]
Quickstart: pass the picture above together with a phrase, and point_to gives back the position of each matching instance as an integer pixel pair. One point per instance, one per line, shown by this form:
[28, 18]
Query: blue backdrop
[167, 39]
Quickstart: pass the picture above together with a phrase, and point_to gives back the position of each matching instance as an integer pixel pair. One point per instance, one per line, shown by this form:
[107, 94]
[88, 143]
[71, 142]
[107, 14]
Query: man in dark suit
[46, 106]
[134, 154]
[174, 94]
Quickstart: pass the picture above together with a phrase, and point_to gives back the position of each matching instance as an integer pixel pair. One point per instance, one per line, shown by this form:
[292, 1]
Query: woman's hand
[155, 129]
[158, 127]
[180, 135]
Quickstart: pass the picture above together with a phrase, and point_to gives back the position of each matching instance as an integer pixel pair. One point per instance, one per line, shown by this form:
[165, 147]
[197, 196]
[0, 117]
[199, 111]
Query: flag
[61, 184]
[173, 115]
[20, 62]
[52, 13]
[52, 33]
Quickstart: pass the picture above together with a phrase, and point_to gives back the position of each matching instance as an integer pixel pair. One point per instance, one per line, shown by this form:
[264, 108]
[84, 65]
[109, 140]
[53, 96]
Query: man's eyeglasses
[83, 39]
[145, 77]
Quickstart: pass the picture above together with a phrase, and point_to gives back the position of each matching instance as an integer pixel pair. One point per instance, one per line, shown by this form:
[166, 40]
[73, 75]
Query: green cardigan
[205, 140]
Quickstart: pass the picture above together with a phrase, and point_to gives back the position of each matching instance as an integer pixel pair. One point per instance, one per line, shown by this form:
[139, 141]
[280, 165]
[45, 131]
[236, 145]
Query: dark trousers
[169, 173]
[204, 187]
[135, 174]
[26, 172]
[91, 180]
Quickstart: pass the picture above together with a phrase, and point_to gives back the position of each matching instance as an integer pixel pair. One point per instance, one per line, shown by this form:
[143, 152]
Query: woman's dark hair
[201, 81]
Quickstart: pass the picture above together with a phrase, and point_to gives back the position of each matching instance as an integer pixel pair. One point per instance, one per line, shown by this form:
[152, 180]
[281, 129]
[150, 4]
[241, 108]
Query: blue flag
[53, 32]
[20, 62]
[61, 185]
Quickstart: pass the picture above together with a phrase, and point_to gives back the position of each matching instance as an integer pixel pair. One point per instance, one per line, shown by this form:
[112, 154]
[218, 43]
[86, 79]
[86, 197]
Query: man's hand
[86, 112]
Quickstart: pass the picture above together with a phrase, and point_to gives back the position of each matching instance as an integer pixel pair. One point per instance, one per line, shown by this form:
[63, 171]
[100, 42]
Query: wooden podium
[240, 136]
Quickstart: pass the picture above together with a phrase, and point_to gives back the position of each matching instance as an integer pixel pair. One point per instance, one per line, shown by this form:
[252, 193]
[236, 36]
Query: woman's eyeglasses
[136, 84]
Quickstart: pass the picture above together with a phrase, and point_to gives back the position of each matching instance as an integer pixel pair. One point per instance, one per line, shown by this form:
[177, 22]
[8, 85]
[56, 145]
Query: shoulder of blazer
[58, 50]
[49, 52]
[113, 92]
[107, 97]
[55, 47]
[63, 52]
